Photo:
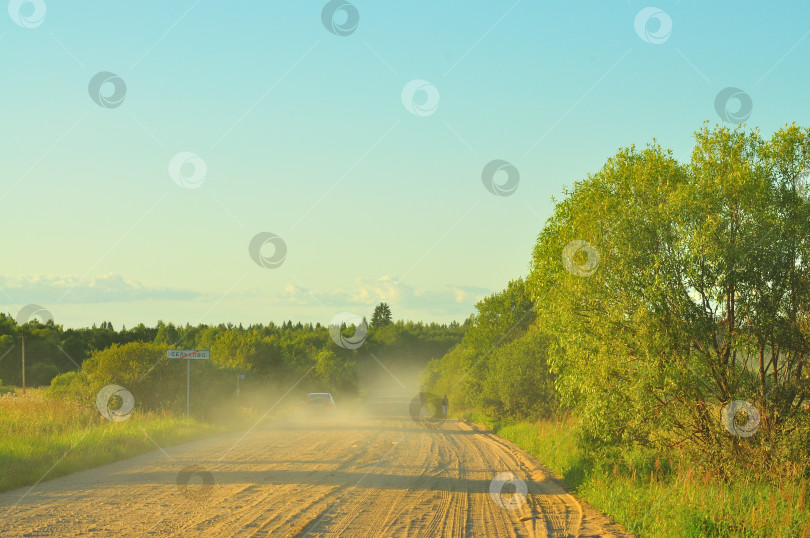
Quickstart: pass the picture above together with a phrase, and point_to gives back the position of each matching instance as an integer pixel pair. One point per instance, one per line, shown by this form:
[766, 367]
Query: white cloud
[88, 300]
[390, 289]
[73, 289]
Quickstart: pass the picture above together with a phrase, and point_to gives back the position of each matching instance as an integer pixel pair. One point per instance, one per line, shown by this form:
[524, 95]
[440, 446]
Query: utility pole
[23, 363]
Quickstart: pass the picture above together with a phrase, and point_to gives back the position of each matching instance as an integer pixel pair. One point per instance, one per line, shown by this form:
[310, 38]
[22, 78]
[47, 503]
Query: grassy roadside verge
[655, 497]
[41, 434]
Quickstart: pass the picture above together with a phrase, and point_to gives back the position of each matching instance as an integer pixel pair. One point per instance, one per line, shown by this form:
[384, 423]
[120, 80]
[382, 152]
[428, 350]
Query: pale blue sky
[304, 134]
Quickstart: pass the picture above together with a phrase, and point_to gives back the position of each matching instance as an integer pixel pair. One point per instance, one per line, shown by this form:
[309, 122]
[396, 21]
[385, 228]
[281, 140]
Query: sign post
[240, 376]
[188, 355]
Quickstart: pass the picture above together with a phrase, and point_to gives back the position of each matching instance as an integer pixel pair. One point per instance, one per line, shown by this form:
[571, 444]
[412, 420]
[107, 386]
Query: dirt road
[374, 473]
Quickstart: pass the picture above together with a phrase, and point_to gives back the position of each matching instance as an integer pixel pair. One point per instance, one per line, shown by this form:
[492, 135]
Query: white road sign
[189, 354]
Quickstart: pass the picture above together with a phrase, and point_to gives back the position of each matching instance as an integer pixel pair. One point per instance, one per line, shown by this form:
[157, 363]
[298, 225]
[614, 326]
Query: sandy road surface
[365, 474]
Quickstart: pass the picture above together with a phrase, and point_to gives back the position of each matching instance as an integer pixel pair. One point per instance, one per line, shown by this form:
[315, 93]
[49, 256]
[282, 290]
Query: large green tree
[670, 290]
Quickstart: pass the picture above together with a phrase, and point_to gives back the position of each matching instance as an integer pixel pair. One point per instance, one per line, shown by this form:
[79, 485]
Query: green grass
[655, 496]
[43, 435]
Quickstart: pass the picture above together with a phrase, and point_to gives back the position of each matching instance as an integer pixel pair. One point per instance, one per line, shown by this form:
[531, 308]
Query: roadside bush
[155, 382]
[447, 376]
[519, 383]
[71, 385]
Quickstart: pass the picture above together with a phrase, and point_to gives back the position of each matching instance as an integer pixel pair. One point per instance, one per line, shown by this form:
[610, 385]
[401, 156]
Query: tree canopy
[666, 294]
[381, 316]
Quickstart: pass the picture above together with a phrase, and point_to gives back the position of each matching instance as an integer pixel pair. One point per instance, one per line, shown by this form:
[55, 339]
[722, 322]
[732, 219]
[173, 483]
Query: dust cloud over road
[372, 471]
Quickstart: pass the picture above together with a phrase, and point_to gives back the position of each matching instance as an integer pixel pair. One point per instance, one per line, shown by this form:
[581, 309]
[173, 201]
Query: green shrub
[519, 383]
[70, 385]
[155, 382]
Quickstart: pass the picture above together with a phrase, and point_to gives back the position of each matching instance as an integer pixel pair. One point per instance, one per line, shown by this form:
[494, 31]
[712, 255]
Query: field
[45, 437]
[652, 496]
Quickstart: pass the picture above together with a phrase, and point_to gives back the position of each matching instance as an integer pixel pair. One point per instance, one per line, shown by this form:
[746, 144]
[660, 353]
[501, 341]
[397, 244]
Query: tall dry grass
[662, 495]
[42, 437]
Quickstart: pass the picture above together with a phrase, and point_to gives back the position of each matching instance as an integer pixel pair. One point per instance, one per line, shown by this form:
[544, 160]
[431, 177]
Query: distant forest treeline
[83, 360]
